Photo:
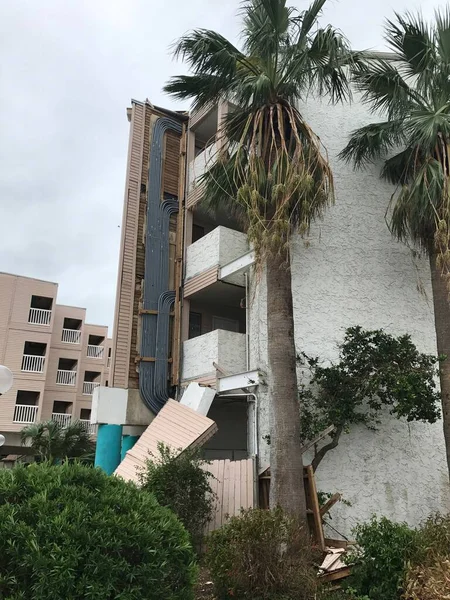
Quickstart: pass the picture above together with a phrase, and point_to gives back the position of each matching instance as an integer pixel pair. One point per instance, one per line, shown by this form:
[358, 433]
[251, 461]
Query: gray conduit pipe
[156, 296]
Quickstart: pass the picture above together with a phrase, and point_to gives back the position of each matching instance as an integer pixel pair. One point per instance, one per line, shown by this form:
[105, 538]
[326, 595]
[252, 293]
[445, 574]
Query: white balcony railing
[33, 364]
[91, 428]
[201, 163]
[64, 377]
[71, 336]
[89, 387]
[225, 349]
[39, 316]
[62, 419]
[219, 247]
[95, 351]
[25, 413]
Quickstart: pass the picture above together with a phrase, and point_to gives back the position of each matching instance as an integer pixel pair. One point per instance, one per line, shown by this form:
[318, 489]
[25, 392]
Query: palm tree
[54, 443]
[411, 94]
[272, 172]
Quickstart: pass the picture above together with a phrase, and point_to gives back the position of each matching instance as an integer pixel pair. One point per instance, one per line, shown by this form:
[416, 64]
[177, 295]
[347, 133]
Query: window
[85, 414]
[195, 324]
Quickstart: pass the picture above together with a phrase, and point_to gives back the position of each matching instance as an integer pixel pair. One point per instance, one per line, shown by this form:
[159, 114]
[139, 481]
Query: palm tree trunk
[442, 325]
[286, 463]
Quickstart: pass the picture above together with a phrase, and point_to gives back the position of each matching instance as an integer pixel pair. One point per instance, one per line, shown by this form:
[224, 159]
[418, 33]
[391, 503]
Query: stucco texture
[353, 273]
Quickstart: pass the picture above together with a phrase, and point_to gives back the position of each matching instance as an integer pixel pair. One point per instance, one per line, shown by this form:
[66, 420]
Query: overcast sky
[68, 69]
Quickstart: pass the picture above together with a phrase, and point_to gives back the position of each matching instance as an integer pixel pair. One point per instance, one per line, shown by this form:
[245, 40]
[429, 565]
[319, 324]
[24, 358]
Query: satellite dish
[6, 379]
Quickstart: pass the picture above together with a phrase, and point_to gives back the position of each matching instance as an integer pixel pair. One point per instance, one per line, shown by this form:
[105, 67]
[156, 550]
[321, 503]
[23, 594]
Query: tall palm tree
[54, 443]
[412, 96]
[272, 173]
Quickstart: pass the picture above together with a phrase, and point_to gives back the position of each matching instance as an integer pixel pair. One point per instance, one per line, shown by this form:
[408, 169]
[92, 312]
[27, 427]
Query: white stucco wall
[354, 273]
[225, 348]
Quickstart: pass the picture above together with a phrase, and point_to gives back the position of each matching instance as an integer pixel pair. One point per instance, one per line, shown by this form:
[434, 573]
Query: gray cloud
[68, 69]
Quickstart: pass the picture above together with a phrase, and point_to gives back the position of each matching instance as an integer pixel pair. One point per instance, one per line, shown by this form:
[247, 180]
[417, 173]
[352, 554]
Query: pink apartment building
[56, 357]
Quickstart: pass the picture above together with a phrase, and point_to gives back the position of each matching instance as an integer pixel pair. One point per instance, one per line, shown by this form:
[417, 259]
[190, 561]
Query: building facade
[57, 359]
[190, 307]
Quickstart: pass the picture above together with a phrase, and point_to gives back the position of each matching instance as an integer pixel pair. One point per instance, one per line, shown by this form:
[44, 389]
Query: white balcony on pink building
[89, 387]
[25, 413]
[65, 377]
[71, 336]
[33, 364]
[95, 351]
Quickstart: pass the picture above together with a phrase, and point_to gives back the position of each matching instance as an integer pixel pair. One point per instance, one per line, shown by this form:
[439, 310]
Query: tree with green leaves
[271, 172]
[376, 373]
[54, 443]
[411, 94]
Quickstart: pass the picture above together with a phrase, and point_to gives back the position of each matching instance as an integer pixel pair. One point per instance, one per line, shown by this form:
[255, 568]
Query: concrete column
[128, 441]
[107, 451]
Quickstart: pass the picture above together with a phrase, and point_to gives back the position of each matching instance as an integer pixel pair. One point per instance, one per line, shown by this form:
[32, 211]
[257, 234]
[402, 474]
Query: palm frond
[414, 210]
[427, 128]
[442, 17]
[383, 87]
[401, 168]
[410, 38]
[371, 142]
[308, 19]
[203, 88]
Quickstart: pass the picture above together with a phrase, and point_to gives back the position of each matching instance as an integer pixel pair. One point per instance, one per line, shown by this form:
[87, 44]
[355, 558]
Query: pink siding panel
[126, 277]
[176, 426]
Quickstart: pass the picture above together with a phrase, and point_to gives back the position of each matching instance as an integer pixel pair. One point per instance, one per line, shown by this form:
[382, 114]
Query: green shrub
[181, 482]
[384, 549]
[262, 555]
[72, 532]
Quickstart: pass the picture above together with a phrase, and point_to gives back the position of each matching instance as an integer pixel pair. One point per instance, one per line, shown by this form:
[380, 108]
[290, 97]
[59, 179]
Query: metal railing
[39, 316]
[95, 351]
[25, 413]
[89, 387]
[62, 419]
[32, 363]
[71, 336]
[64, 377]
[91, 428]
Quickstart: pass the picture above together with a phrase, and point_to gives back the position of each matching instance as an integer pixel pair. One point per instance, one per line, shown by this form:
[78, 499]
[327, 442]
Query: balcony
[39, 316]
[33, 364]
[95, 351]
[89, 387]
[221, 254]
[201, 163]
[71, 336]
[25, 413]
[64, 377]
[91, 428]
[62, 419]
[226, 349]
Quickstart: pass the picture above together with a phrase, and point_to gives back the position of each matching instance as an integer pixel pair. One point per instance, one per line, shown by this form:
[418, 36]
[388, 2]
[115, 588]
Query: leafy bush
[384, 549]
[181, 482]
[376, 372]
[71, 531]
[428, 576]
[262, 555]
